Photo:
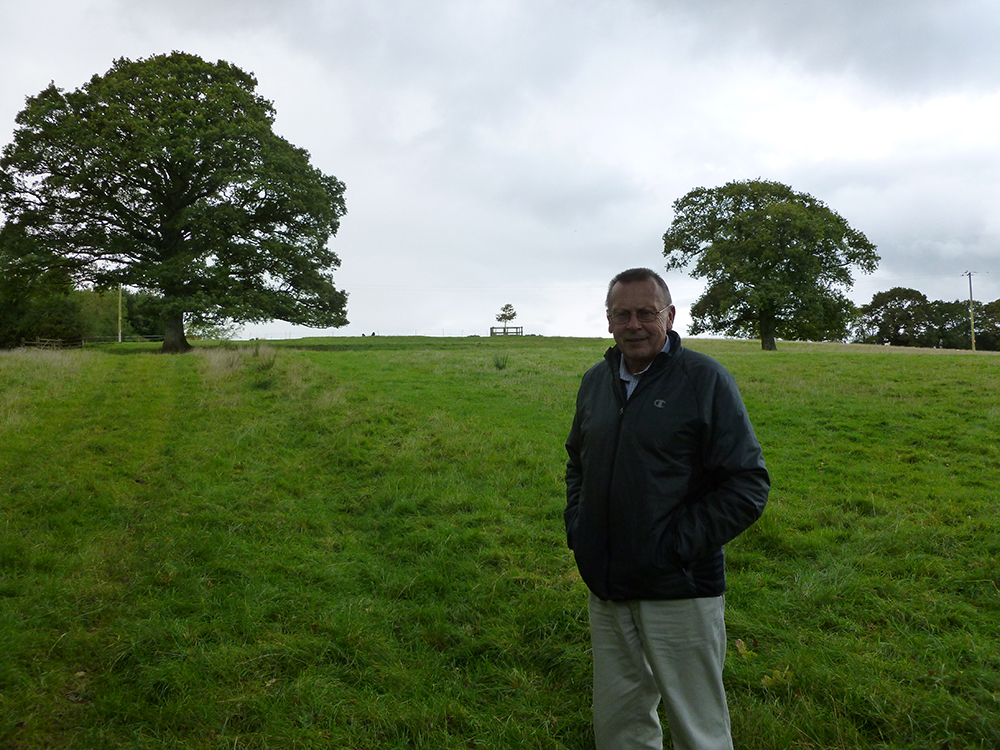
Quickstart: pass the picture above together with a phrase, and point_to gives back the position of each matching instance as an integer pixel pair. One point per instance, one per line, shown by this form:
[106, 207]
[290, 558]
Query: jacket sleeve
[574, 479]
[734, 484]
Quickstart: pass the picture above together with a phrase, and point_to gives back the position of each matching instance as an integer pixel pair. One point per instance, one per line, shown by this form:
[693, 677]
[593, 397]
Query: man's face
[639, 342]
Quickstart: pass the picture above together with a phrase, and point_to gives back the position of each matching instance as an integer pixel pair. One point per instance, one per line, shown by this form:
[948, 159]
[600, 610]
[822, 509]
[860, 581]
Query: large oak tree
[777, 261]
[165, 175]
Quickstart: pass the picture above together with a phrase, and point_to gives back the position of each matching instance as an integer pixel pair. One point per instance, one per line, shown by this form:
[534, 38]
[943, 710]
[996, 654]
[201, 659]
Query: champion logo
[659, 403]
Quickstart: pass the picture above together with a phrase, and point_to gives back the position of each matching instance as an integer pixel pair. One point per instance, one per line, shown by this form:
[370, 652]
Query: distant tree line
[905, 317]
[74, 315]
[89, 315]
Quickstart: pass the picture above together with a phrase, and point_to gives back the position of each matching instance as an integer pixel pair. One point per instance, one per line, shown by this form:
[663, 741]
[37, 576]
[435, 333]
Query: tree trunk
[767, 326]
[174, 341]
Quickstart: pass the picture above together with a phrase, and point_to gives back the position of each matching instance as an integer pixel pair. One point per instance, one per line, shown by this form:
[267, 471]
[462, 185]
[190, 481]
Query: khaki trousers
[648, 650]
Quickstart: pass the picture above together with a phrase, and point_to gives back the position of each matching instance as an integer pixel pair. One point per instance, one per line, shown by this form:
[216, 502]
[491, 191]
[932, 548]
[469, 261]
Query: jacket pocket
[664, 555]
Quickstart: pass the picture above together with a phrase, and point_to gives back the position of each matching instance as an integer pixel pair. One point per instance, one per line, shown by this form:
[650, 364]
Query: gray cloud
[902, 47]
[524, 151]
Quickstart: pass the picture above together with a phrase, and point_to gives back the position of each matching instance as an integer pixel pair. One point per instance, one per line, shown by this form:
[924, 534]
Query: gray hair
[633, 275]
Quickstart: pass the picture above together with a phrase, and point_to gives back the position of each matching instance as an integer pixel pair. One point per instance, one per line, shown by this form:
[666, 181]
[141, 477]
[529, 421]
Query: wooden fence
[53, 343]
[507, 331]
[40, 343]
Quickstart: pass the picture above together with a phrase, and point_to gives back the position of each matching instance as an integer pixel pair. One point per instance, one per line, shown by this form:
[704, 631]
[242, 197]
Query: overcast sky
[525, 151]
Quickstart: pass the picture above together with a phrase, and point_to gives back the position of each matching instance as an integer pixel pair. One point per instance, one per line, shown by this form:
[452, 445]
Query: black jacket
[658, 483]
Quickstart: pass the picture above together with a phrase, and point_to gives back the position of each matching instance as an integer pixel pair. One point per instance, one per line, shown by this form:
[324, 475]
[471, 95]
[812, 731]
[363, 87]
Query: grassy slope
[357, 543]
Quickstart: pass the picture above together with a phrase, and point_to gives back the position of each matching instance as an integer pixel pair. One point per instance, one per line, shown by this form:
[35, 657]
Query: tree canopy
[506, 315]
[165, 175]
[898, 317]
[777, 261]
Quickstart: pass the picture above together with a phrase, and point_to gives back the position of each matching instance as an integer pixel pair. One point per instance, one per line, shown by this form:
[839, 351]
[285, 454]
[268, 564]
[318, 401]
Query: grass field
[358, 543]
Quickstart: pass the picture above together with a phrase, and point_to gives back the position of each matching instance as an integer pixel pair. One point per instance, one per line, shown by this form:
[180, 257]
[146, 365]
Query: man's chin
[635, 348]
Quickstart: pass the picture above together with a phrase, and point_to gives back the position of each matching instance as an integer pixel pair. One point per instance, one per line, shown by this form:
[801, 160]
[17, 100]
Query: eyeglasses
[621, 317]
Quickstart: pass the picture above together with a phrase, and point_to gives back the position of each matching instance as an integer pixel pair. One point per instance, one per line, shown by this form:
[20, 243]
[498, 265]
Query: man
[664, 469]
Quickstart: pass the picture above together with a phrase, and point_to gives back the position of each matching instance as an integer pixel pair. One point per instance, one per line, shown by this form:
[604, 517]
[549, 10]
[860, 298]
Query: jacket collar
[614, 355]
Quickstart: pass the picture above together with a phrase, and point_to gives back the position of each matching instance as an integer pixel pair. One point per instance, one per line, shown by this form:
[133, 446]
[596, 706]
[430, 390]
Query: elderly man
[664, 469]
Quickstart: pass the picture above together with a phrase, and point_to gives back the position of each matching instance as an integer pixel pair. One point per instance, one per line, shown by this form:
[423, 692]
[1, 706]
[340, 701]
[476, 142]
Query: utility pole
[972, 318]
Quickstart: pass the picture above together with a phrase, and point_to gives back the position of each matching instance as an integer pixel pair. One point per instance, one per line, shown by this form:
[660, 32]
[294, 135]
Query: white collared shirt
[632, 380]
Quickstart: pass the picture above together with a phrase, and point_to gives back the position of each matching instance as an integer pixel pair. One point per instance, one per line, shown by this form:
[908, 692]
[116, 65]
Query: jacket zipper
[622, 402]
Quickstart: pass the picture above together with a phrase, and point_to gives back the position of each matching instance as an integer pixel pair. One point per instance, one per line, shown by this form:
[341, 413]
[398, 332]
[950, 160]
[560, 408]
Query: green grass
[357, 543]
